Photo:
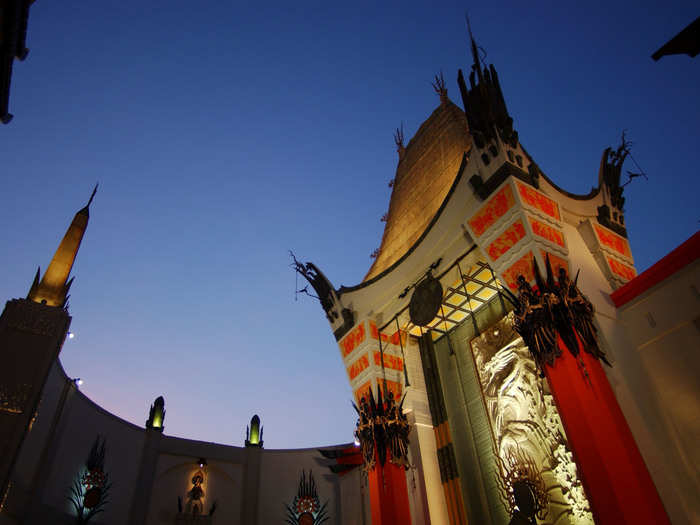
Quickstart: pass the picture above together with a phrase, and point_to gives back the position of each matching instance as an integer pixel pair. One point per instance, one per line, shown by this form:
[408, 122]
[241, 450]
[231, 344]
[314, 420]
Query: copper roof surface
[423, 177]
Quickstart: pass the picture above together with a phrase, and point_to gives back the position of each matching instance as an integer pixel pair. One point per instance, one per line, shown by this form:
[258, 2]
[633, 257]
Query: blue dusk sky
[225, 134]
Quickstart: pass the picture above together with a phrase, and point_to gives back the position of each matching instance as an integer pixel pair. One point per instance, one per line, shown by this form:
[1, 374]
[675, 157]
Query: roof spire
[86, 209]
[484, 104]
[54, 286]
[93, 195]
[475, 53]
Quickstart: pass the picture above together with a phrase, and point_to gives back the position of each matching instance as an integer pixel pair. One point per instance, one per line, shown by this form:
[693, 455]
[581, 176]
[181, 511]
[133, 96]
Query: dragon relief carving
[525, 422]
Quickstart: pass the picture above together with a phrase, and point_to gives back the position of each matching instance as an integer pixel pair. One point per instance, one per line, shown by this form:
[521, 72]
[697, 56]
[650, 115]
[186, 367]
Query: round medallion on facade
[425, 301]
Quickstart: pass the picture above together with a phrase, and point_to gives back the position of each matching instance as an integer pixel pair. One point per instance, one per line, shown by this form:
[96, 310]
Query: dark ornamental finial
[92, 196]
[476, 61]
[86, 209]
[556, 307]
[611, 212]
[327, 296]
[439, 87]
[484, 104]
[398, 140]
[382, 427]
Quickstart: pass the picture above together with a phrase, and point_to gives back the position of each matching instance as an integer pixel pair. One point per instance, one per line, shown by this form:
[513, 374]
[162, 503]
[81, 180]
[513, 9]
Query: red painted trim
[388, 492]
[679, 258]
[612, 470]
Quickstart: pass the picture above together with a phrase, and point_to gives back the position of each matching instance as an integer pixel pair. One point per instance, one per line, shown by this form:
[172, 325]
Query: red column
[389, 495]
[613, 472]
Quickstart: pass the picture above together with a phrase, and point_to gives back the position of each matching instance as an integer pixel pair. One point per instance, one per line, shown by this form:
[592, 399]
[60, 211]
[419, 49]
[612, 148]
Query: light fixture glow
[71, 335]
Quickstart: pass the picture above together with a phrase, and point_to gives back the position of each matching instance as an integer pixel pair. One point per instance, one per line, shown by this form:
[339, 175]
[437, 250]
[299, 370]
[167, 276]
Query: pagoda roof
[425, 173]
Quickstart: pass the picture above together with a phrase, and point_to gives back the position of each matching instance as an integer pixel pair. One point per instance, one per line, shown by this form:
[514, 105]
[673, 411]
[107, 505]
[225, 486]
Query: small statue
[195, 496]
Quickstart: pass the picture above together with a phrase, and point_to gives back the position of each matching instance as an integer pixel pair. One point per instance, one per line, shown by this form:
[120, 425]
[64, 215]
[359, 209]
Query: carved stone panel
[524, 419]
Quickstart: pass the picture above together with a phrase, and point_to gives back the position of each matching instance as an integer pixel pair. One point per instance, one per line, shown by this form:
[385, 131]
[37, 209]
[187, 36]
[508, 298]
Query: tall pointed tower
[32, 332]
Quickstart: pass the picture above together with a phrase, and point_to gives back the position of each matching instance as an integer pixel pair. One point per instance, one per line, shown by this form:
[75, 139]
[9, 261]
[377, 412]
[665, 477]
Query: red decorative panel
[522, 266]
[622, 270]
[506, 240]
[363, 391]
[534, 198]
[678, 259]
[545, 231]
[493, 210]
[556, 262]
[392, 386]
[613, 241]
[391, 339]
[353, 339]
[390, 361]
[358, 366]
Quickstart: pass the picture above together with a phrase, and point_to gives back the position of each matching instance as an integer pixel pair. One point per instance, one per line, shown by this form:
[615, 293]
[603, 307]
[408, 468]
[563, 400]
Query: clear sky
[224, 135]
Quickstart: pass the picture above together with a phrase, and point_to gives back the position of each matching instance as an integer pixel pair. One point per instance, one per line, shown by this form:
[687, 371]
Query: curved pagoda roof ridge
[424, 176]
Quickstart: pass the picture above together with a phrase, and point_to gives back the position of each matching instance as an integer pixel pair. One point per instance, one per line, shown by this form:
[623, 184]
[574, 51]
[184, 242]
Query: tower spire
[484, 104]
[475, 52]
[54, 285]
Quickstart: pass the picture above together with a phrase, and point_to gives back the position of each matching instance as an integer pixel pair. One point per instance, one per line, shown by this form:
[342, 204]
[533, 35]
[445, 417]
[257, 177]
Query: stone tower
[32, 332]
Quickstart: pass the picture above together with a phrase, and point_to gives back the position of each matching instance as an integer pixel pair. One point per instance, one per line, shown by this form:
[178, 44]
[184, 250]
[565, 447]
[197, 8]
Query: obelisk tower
[32, 332]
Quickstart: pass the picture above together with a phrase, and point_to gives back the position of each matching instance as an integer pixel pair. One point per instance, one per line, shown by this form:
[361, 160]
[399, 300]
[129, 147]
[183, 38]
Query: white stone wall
[662, 326]
[243, 481]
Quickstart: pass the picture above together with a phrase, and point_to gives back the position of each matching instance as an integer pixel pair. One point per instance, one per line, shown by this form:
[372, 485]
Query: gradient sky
[224, 135]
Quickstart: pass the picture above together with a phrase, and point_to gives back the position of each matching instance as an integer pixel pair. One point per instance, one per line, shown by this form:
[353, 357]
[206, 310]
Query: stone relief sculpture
[525, 422]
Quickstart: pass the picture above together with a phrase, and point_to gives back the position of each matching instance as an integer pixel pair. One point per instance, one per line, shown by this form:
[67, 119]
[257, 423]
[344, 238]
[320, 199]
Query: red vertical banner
[388, 492]
[613, 472]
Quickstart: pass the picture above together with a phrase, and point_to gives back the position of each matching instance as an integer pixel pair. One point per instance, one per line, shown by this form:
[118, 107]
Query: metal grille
[466, 290]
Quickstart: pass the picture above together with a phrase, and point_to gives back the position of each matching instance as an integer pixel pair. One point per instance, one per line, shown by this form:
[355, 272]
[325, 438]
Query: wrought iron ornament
[382, 430]
[554, 308]
[306, 509]
[425, 301]
[90, 489]
[522, 488]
